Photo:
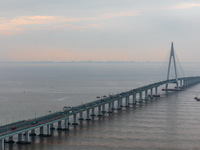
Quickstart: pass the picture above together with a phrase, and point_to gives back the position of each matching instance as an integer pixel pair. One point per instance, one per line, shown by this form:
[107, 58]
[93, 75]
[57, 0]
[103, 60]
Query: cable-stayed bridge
[23, 130]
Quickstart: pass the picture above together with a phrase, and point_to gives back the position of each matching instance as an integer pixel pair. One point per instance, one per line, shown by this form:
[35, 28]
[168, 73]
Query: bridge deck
[25, 125]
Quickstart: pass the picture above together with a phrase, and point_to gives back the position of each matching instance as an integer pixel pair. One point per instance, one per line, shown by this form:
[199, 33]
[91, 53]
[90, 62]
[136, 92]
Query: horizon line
[91, 61]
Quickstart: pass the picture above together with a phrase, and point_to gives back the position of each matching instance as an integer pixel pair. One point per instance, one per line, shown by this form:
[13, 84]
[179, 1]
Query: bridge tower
[172, 57]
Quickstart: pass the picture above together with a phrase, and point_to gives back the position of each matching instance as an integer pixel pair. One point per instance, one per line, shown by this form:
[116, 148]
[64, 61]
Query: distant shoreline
[86, 62]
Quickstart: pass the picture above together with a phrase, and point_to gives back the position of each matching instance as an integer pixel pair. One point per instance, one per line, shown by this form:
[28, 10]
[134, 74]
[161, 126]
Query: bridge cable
[180, 66]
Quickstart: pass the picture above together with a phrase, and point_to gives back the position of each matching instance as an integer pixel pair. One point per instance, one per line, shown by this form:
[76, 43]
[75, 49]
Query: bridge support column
[2, 144]
[74, 118]
[150, 96]
[99, 111]
[27, 138]
[109, 107]
[20, 140]
[113, 106]
[127, 101]
[32, 132]
[59, 125]
[134, 99]
[81, 116]
[156, 90]
[103, 109]
[181, 83]
[146, 95]
[41, 131]
[140, 97]
[119, 104]
[88, 115]
[52, 127]
[48, 130]
[151, 92]
[93, 114]
[66, 124]
[10, 140]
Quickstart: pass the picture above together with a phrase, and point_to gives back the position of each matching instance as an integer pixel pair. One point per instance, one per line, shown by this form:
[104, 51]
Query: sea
[32, 89]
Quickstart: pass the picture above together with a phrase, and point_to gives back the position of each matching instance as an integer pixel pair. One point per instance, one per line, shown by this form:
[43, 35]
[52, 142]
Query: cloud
[20, 24]
[186, 6]
[69, 26]
[120, 14]
[15, 25]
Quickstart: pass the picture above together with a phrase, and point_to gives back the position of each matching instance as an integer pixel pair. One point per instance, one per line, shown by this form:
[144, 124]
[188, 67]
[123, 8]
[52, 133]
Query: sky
[99, 30]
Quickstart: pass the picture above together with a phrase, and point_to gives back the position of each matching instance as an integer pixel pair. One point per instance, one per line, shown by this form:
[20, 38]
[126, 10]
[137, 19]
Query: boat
[156, 95]
[196, 98]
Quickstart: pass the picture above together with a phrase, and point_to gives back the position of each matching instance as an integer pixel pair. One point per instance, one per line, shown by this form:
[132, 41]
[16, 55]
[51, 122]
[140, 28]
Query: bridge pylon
[172, 58]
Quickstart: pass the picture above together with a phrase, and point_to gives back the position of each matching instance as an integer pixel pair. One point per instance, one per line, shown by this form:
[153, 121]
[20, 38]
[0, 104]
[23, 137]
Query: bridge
[24, 129]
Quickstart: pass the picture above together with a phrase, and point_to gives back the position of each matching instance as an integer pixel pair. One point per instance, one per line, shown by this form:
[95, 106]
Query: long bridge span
[95, 108]
[21, 131]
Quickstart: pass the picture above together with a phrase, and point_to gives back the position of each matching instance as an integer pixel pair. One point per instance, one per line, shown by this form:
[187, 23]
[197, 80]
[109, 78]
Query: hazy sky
[99, 30]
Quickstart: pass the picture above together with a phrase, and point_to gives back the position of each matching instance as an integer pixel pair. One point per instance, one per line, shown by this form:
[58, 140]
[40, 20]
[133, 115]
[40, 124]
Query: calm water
[28, 90]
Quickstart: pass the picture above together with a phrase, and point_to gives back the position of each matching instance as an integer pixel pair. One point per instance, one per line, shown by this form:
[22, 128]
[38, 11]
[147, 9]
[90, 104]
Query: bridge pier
[103, 109]
[150, 96]
[27, 138]
[41, 131]
[88, 115]
[93, 114]
[66, 124]
[20, 140]
[32, 132]
[10, 140]
[52, 127]
[81, 116]
[2, 144]
[113, 106]
[181, 83]
[156, 90]
[59, 125]
[140, 97]
[151, 92]
[109, 107]
[134, 99]
[119, 104]
[48, 130]
[127, 101]
[146, 95]
[185, 83]
[130, 98]
[74, 118]
[99, 111]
